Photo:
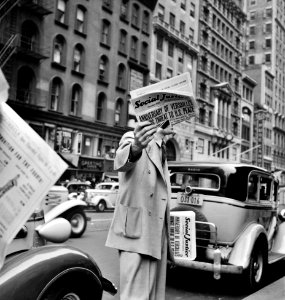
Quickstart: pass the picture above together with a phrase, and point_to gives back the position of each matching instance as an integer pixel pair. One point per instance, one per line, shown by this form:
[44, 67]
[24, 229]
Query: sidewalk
[274, 291]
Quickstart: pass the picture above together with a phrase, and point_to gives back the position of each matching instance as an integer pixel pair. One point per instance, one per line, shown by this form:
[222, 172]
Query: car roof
[214, 164]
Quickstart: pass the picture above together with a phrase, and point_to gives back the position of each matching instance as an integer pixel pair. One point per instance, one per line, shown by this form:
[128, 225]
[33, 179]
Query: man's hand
[143, 134]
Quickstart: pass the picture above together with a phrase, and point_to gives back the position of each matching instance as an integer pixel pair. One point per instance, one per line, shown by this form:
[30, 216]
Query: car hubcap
[70, 296]
[77, 223]
[101, 206]
[258, 268]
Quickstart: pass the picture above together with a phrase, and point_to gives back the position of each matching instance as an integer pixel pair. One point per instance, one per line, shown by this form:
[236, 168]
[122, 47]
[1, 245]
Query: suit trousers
[143, 277]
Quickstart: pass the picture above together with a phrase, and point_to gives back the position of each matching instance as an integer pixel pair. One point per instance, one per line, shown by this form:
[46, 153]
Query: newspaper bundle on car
[183, 235]
[28, 169]
[170, 100]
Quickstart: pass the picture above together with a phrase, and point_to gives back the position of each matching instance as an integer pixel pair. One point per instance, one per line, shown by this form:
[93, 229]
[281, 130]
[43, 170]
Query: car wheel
[70, 289]
[255, 272]
[202, 230]
[101, 206]
[78, 221]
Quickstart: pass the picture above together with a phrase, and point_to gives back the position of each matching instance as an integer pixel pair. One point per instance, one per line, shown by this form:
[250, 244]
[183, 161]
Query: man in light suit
[139, 228]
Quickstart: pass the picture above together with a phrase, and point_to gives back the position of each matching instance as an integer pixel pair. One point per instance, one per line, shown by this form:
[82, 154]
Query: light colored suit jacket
[143, 204]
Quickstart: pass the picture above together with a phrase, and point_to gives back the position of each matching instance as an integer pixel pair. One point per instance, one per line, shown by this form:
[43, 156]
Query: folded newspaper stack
[168, 100]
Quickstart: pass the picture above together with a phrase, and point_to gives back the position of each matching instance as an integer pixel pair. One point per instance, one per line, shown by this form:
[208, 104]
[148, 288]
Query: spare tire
[203, 234]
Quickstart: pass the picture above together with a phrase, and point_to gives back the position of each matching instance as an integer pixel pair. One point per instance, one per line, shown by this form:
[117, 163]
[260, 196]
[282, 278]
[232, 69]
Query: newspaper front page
[28, 169]
[170, 99]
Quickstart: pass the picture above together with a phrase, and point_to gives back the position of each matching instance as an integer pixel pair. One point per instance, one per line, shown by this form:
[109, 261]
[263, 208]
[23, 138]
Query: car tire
[101, 206]
[202, 230]
[67, 288]
[254, 274]
[78, 221]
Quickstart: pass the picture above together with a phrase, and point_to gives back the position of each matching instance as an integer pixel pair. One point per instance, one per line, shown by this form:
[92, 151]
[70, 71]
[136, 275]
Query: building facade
[70, 65]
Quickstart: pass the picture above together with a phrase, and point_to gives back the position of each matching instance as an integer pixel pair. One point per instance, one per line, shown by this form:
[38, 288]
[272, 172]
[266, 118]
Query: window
[159, 42]
[169, 73]
[158, 70]
[267, 57]
[183, 4]
[192, 10]
[78, 58]
[80, 19]
[59, 50]
[100, 107]
[161, 12]
[251, 59]
[106, 32]
[76, 96]
[251, 44]
[103, 69]
[268, 43]
[180, 54]
[191, 34]
[269, 12]
[60, 14]
[203, 90]
[55, 93]
[144, 53]
[145, 22]
[268, 28]
[202, 116]
[135, 15]
[200, 146]
[172, 20]
[182, 27]
[124, 8]
[118, 111]
[170, 49]
[108, 4]
[252, 30]
[134, 48]
[123, 41]
[252, 15]
[121, 78]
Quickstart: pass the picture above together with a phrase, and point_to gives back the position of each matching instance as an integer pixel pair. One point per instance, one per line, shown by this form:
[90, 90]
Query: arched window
[101, 102]
[29, 36]
[144, 53]
[123, 41]
[106, 32]
[59, 48]
[118, 111]
[134, 47]
[103, 68]
[145, 22]
[121, 78]
[76, 97]
[25, 85]
[60, 14]
[135, 15]
[78, 58]
[80, 22]
[56, 90]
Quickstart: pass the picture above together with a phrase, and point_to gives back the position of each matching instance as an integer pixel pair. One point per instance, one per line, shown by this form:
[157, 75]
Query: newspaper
[183, 235]
[168, 100]
[28, 169]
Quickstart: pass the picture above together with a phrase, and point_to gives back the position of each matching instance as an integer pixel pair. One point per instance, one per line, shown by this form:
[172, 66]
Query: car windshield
[195, 180]
[104, 187]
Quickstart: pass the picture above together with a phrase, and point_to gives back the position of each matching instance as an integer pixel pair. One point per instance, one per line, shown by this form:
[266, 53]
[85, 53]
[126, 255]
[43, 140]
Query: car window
[116, 187]
[196, 180]
[104, 187]
[259, 187]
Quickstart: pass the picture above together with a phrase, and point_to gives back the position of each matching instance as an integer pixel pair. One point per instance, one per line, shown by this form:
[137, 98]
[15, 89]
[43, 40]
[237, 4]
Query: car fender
[96, 199]
[241, 252]
[38, 267]
[279, 241]
[62, 208]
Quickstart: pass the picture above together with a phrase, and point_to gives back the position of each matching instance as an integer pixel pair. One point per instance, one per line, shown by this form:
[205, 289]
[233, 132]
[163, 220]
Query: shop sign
[90, 164]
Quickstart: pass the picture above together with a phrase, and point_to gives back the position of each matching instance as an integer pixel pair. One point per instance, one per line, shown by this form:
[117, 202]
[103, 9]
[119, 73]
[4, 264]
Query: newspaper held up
[28, 169]
[170, 99]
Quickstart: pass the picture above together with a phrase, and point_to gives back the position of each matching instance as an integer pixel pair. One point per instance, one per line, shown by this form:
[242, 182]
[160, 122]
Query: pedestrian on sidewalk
[139, 229]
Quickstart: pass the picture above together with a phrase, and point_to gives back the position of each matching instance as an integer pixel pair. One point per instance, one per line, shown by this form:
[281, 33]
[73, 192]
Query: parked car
[34, 270]
[238, 226]
[103, 196]
[57, 203]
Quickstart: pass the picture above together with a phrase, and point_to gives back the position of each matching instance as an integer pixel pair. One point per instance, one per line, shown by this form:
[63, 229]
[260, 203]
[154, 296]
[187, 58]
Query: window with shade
[60, 14]
[106, 33]
[144, 53]
[78, 55]
[59, 49]
[123, 41]
[101, 102]
[135, 15]
[80, 19]
[145, 22]
[118, 111]
[121, 78]
[103, 68]
[134, 48]
[76, 96]
[55, 93]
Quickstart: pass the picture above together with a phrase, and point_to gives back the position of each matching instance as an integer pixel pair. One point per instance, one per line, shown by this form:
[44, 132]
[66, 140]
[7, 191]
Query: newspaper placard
[183, 235]
[28, 169]
[170, 99]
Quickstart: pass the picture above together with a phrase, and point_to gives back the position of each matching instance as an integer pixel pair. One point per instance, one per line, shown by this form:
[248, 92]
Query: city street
[181, 284]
